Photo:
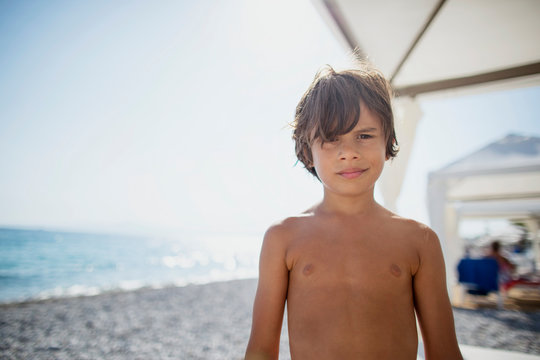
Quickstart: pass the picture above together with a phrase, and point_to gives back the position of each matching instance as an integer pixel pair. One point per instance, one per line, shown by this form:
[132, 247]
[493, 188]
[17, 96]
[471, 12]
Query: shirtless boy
[352, 273]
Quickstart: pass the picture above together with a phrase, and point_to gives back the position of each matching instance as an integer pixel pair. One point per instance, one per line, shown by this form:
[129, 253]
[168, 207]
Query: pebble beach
[209, 321]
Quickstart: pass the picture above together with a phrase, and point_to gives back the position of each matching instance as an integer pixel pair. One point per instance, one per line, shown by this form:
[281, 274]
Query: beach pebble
[194, 322]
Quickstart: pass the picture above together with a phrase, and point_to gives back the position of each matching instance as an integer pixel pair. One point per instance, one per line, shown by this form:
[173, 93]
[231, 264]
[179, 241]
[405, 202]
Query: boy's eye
[330, 142]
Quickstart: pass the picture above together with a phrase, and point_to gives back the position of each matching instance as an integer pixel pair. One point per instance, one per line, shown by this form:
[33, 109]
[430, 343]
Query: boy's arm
[432, 303]
[270, 298]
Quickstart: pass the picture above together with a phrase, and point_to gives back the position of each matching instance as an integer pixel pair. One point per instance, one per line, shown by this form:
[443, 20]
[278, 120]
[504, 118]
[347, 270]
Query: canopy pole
[407, 113]
[452, 244]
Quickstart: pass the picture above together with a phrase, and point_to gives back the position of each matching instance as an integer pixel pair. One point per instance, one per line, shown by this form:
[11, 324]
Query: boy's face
[352, 163]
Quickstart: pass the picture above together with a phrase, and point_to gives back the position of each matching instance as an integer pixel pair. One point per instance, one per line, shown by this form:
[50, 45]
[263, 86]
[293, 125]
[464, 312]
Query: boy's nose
[348, 152]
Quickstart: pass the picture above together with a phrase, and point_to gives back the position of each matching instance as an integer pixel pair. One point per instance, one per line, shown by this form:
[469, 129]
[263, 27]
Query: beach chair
[479, 277]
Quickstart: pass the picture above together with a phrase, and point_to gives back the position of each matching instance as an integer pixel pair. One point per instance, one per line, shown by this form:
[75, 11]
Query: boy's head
[332, 105]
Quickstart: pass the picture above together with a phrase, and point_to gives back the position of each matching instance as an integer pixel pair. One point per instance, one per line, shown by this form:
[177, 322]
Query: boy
[351, 272]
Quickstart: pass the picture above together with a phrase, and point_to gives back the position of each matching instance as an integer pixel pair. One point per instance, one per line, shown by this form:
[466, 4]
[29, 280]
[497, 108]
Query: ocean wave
[79, 290]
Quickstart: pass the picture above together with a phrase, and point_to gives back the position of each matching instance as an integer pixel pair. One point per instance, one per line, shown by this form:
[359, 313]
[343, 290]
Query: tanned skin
[351, 273]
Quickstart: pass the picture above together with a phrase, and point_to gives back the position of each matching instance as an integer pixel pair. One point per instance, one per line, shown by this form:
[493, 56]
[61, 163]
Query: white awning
[432, 45]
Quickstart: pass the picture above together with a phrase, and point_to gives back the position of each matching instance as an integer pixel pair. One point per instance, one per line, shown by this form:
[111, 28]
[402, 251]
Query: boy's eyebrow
[371, 129]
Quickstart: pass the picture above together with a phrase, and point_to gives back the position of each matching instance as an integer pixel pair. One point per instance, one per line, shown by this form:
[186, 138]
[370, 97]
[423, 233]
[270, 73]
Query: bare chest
[348, 289]
[352, 263]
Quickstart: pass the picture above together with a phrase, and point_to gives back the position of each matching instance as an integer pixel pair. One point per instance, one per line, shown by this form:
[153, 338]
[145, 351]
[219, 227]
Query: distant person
[506, 267]
[521, 246]
[351, 273]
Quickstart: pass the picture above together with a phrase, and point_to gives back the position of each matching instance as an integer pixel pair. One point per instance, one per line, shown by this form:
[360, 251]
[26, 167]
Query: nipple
[308, 269]
[395, 270]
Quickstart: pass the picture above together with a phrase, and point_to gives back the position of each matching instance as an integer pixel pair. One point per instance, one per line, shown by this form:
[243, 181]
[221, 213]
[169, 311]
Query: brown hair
[332, 104]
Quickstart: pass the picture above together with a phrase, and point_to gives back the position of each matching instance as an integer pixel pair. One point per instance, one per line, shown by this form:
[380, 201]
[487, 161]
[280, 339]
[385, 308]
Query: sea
[41, 264]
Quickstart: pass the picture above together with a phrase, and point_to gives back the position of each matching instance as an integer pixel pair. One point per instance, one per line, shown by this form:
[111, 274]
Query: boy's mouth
[351, 173]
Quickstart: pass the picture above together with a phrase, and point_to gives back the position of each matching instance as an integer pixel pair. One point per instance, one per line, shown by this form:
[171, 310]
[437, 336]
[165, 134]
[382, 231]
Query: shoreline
[90, 292]
[208, 321]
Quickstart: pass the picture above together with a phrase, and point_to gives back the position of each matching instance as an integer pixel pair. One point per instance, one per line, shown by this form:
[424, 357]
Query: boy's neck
[348, 205]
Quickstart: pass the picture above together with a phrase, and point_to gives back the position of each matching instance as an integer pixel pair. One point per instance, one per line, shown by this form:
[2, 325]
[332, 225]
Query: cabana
[501, 180]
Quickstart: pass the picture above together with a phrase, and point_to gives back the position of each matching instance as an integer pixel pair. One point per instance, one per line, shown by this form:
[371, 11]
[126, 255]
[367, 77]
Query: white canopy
[431, 45]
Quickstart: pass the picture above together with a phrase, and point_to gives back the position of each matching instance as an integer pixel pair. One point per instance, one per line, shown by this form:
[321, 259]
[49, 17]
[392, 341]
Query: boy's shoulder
[282, 234]
[408, 223]
[291, 225]
[408, 227]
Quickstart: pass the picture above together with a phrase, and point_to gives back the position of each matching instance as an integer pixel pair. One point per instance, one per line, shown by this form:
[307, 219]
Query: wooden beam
[339, 19]
[428, 22]
[505, 74]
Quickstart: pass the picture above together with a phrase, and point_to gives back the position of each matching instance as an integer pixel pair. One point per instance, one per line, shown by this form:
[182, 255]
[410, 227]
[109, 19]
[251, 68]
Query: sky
[170, 116]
